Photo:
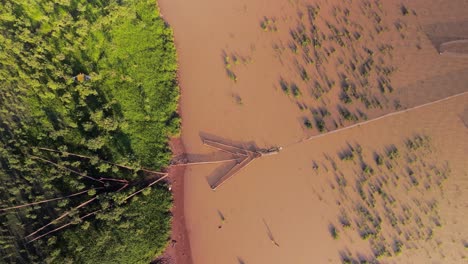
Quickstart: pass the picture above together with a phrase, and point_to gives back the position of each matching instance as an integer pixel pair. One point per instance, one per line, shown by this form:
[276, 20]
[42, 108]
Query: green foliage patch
[123, 115]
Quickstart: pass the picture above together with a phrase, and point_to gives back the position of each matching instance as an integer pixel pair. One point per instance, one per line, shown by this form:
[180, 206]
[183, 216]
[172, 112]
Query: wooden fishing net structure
[243, 156]
[109, 185]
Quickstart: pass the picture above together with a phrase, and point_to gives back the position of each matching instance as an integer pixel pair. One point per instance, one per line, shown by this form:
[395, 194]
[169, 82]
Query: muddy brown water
[280, 196]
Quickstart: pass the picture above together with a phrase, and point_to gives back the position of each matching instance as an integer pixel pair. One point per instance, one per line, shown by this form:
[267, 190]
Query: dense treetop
[123, 115]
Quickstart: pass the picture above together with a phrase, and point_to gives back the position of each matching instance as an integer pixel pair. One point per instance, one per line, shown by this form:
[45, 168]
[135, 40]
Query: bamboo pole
[123, 187]
[149, 185]
[233, 171]
[112, 179]
[62, 227]
[111, 163]
[48, 200]
[63, 167]
[203, 162]
[213, 144]
[62, 216]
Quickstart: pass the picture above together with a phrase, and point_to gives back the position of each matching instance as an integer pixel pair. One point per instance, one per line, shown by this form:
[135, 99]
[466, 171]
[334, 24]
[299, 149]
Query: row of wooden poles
[242, 157]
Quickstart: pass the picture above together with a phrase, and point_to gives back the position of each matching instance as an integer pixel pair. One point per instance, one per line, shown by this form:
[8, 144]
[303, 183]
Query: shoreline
[178, 249]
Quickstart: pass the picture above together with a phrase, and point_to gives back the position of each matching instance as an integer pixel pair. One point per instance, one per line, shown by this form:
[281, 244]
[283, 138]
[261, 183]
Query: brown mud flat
[178, 250]
[233, 55]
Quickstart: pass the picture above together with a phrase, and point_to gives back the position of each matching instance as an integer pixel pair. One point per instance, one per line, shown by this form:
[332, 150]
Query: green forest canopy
[123, 115]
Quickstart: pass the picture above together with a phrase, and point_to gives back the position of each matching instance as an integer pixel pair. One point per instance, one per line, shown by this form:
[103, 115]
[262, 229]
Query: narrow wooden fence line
[444, 48]
[376, 119]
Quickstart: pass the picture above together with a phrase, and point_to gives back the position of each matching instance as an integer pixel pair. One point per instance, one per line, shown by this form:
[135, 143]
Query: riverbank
[178, 250]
